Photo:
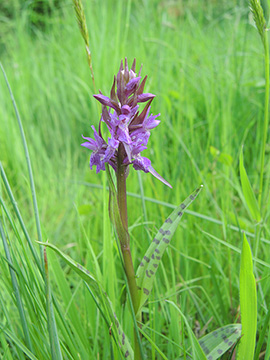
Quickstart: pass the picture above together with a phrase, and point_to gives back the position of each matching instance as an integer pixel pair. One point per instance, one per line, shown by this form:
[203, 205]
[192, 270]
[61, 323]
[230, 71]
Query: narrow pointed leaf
[248, 191]
[248, 305]
[220, 341]
[105, 301]
[151, 260]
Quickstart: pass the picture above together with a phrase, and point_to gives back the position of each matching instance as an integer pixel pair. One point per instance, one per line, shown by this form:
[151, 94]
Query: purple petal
[123, 135]
[96, 160]
[114, 120]
[131, 85]
[109, 153]
[105, 100]
[151, 122]
[140, 136]
[90, 146]
[137, 149]
[113, 143]
[153, 172]
[128, 151]
[141, 163]
[99, 139]
[133, 111]
[125, 110]
[145, 97]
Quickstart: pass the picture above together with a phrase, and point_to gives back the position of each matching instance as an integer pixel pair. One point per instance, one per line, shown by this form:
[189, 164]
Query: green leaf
[195, 346]
[248, 191]
[248, 304]
[219, 341]
[151, 260]
[106, 304]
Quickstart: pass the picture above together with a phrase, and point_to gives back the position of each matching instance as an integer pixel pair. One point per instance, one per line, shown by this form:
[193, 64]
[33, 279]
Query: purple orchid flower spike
[129, 129]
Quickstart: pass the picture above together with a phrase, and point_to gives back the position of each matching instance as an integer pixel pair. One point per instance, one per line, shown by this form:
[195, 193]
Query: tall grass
[207, 70]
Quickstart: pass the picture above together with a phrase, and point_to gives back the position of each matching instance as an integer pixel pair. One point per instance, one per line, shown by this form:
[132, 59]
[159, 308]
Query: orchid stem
[125, 243]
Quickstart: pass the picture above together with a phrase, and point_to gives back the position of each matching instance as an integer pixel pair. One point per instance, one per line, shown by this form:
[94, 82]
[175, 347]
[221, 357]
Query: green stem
[266, 118]
[125, 243]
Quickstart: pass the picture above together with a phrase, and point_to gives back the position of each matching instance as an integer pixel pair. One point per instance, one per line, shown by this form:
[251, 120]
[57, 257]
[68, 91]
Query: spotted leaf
[151, 260]
[218, 342]
[105, 303]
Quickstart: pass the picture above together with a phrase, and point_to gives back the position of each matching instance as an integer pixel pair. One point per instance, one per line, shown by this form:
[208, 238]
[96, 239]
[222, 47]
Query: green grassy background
[204, 62]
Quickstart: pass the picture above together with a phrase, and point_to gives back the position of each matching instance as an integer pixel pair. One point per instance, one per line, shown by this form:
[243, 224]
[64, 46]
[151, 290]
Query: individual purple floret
[129, 129]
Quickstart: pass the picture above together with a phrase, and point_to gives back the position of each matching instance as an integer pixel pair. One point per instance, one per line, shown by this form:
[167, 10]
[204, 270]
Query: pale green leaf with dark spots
[220, 341]
[147, 269]
[105, 302]
[248, 305]
[248, 191]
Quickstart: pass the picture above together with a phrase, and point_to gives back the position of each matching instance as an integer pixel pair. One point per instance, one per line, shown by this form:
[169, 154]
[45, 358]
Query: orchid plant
[129, 131]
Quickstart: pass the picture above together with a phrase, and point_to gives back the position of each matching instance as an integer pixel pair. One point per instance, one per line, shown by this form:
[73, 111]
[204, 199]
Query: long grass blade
[28, 161]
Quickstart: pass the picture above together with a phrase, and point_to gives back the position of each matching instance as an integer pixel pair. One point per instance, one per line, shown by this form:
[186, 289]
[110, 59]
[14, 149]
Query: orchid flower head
[126, 125]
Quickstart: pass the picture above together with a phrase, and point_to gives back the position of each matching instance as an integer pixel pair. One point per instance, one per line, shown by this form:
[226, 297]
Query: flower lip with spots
[125, 124]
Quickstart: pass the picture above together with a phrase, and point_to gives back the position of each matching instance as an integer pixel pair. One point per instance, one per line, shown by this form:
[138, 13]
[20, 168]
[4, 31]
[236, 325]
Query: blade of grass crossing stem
[248, 191]
[152, 258]
[220, 341]
[52, 328]
[100, 294]
[248, 304]
[27, 157]
[16, 290]
[196, 348]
